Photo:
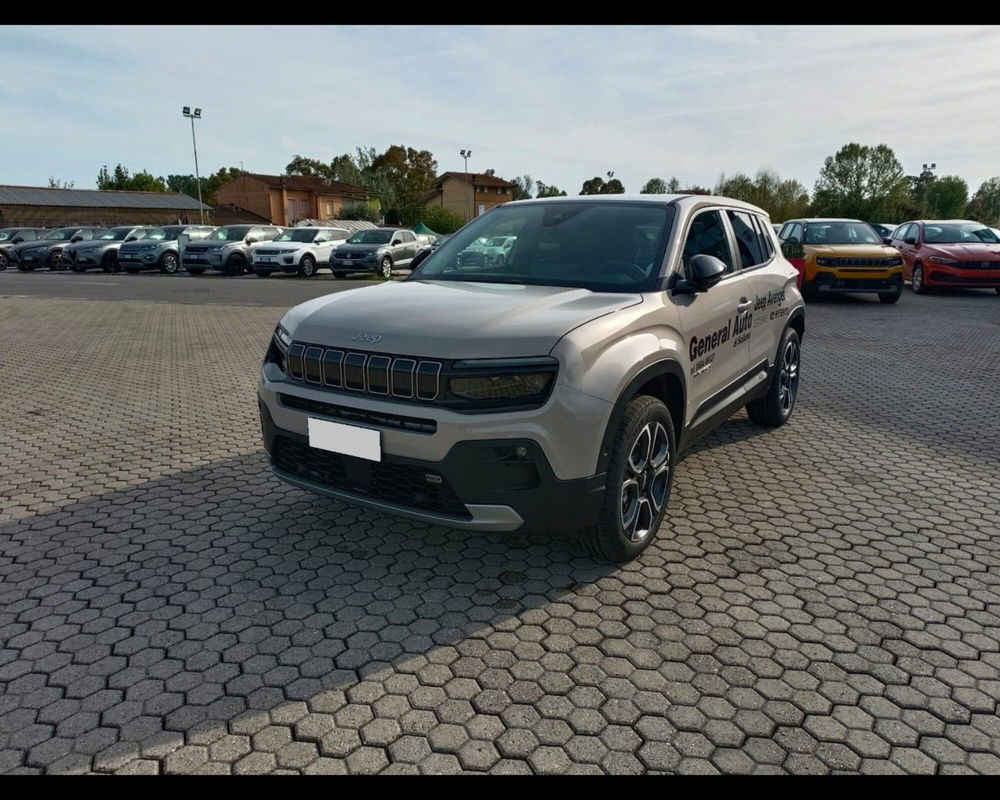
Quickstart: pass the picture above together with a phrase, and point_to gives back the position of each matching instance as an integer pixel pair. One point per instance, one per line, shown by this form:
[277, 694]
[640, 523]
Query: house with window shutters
[470, 194]
[286, 199]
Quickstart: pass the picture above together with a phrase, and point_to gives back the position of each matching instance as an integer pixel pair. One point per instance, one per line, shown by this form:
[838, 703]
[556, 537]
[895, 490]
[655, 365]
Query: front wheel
[55, 262]
[169, 263]
[385, 268]
[890, 297]
[3, 261]
[307, 267]
[237, 264]
[917, 281]
[639, 478]
[773, 409]
[110, 262]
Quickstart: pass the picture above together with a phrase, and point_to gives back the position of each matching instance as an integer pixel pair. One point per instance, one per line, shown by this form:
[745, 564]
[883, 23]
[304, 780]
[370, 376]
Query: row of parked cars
[849, 255]
[230, 249]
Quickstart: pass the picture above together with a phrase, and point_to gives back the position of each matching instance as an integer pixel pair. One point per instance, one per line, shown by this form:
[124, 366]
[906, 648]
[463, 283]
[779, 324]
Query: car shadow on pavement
[218, 599]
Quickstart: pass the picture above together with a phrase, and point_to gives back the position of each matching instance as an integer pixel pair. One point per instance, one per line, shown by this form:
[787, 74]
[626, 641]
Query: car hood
[852, 250]
[450, 319]
[141, 243]
[41, 245]
[359, 248]
[967, 252]
[91, 245]
[279, 246]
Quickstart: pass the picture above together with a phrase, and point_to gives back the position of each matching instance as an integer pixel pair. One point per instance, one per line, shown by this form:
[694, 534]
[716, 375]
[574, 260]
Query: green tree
[985, 204]
[403, 176]
[523, 186]
[121, 179]
[345, 169]
[441, 220]
[654, 186]
[360, 211]
[947, 197]
[595, 185]
[188, 184]
[56, 183]
[781, 199]
[544, 190]
[860, 181]
[313, 167]
[613, 186]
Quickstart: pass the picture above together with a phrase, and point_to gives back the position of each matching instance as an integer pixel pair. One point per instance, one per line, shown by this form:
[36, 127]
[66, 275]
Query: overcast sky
[560, 104]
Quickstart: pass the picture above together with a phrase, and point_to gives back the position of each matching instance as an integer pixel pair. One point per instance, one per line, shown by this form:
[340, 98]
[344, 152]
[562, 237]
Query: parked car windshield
[297, 235]
[601, 246]
[62, 235]
[233, 234]
[371, 237]
[163, 234]
[959, 233]
[840, 233]
[113, 235]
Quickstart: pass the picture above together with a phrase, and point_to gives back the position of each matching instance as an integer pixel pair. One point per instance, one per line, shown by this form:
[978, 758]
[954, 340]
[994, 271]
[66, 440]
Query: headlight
[893, 262]
[283, 336]
[944, 262]
[493, 382]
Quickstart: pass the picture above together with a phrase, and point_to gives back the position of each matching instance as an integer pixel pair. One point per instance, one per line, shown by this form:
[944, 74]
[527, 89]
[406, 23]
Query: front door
[716, 323]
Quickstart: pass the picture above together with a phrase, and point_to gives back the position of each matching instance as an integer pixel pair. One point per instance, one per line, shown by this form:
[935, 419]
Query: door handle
[744, 305]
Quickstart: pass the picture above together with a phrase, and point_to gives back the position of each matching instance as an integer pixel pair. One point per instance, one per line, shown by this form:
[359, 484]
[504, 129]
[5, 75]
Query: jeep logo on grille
[367, 338]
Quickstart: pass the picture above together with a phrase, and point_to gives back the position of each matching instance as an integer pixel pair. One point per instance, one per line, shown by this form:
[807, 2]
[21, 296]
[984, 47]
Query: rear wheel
[773, 409]
[4, 261]
[917, 281]
[307, 267]
[639, 478]
[169, 263]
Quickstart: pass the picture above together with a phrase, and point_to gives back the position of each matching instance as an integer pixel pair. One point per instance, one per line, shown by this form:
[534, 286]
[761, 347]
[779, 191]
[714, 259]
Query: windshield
[959, 233]
[62, 235]
[233, 234]
[371, 237]
[8, 233]
[601, 246]
[498, 241]
[163, 234]
[113, 235]
[840, 233]
[297, 235]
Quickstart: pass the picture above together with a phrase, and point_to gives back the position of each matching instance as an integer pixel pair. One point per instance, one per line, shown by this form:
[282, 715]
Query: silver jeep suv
[552, 391]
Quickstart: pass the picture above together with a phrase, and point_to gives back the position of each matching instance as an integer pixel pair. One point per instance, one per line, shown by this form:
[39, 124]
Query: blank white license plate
[264, 259]
[348, 440]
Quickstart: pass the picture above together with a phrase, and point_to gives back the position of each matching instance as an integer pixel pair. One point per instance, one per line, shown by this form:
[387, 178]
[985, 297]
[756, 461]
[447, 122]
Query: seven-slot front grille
[892, 261]
[371, 373]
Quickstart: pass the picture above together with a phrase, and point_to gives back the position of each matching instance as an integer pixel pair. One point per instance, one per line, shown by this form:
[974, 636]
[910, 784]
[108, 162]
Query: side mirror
[706, 271]
[131, 238]
[910, 240]
[418, 258]
[251, 240]
[76, 239]
[887, 240]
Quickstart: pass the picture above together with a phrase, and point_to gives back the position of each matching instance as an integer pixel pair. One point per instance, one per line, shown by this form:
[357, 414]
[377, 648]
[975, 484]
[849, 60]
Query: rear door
[716, 322]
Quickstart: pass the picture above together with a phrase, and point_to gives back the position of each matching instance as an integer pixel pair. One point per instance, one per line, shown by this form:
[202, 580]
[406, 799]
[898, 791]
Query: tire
[54, 262]
[110, 262]
[917, 282]
[170, 263]
[262, 273]
[307, 267]
[4, 261]
[385, 267]
[196, 270]
[775, 408]
[629, 518]
[890, 297]
[236, 265]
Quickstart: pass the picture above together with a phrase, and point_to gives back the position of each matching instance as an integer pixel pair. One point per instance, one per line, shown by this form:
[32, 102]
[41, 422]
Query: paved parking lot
[822, 598]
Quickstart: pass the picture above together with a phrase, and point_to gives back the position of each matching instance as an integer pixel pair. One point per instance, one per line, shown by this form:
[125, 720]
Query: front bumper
[937, 275]
[362, 264]
[441, 466]
[139, 260]
[840, 282]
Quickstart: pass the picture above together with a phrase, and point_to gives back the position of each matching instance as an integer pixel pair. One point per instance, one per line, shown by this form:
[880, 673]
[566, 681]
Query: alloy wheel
[647, 474]
[788, 378]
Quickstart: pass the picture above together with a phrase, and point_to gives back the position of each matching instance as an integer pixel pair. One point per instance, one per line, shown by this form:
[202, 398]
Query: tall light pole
[467, 154]
[197, 176]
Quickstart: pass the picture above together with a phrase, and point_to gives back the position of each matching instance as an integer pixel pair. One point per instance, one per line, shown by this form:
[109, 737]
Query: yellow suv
[842, 255]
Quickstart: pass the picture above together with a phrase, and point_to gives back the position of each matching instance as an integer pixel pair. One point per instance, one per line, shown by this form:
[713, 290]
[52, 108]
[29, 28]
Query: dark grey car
[226, 249]
[47, 251]
[158, 249]
[378, 250]
[102, 250]
[11, 237]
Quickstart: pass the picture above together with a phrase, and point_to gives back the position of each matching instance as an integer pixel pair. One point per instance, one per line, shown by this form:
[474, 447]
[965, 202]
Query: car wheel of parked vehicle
[307, 267]
[3, 261]
[196, 270]
[262, 273]
[917, 281]
[169, 263]
[55, 262]
[640, 474]
[385, 267]
[773, 409]
[890, 297]
[237, 264]
[110, 262]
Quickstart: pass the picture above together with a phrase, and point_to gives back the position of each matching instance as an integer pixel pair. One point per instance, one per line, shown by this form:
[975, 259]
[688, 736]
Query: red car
[949, 252]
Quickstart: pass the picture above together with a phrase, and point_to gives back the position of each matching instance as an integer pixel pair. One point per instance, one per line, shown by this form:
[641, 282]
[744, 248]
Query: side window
[764, 230]
[748, 243]
[407, 236]
[904, 230]
[785, 229]
[795, 232]
[707, 236]
[86, 234]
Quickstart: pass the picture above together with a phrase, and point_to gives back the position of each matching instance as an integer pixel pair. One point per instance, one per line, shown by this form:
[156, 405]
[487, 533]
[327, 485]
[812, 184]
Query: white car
[497, 248]
[303, 250]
